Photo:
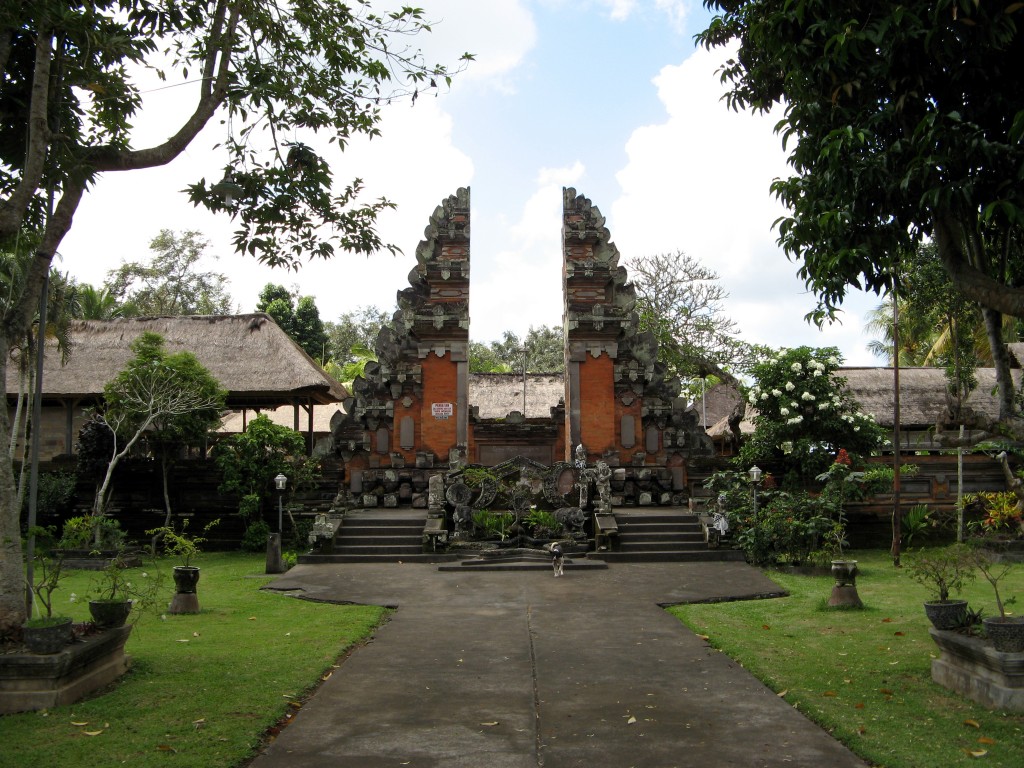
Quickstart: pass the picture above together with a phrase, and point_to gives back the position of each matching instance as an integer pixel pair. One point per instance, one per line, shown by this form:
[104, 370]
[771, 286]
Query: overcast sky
[608, 96]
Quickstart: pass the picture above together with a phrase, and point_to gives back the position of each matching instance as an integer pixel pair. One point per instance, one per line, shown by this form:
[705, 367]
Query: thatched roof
[284, 416]
[922, 393]
[250, 355]
[498, 394]
[922, 396]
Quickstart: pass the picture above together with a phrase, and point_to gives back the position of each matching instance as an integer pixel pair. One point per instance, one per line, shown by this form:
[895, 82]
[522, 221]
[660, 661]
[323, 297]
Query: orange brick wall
[439, 386]
[597, 405]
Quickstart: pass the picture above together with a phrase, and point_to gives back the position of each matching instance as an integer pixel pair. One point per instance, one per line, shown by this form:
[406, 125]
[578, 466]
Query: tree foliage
[905, 120]
[354, 332]
[543, 346]
[70, 90]
[682, 303]
[251, 460]
[171, 283]
[298, 316]
[805, 415]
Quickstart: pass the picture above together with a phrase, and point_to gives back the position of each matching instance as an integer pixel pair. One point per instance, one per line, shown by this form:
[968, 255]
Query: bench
[606, 532]
[321, 536]
[434, 530]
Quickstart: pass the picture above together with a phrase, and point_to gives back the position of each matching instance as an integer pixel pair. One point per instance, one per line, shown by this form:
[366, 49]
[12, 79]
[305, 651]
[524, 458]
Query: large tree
[682, 303]
[171, 282]
[904, 121]
[69, 92]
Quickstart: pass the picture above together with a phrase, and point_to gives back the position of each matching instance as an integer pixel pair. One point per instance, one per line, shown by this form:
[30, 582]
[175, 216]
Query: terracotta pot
[185, 579]
[108, 614]
[1007, 635]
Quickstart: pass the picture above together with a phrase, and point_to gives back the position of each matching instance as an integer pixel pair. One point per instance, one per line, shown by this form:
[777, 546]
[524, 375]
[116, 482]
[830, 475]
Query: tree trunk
[1000, 361]
[12, 562]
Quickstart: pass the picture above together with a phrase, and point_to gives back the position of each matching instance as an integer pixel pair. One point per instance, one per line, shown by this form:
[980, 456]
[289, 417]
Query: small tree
[169, 395]
[251, 460]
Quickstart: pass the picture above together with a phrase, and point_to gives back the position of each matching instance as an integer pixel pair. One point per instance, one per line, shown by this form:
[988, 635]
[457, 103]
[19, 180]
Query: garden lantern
[754, 473]
[281, 482]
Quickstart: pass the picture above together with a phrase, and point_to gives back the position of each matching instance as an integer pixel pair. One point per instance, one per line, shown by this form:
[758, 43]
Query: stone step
[682, 537]
[346, 548]
[673, 556]
[422, 557]
[352, 530]
[661, 546]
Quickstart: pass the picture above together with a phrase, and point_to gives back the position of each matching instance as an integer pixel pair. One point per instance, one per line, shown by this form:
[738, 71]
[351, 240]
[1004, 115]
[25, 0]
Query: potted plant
[1006, 632]
[944, 571]
[182, 545]
[46, 633]
[116, 594]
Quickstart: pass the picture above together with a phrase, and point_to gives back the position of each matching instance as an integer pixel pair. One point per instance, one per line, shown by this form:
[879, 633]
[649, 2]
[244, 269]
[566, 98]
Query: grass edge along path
[865, 675]
[203, 690]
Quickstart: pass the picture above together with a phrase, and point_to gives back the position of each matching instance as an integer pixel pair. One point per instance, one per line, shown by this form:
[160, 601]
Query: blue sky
[607, 96]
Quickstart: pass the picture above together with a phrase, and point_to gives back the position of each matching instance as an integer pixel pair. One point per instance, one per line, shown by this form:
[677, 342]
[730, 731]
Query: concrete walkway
[520, 670]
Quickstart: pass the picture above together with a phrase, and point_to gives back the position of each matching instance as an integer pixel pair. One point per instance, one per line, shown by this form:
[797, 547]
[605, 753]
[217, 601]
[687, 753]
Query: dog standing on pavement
[557, 559]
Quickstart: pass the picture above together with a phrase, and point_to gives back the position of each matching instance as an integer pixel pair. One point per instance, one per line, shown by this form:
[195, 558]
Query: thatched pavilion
[259, 365]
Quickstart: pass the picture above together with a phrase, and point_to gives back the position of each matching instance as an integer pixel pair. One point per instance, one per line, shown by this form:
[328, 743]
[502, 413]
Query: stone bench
[325, 528]
[606, 532]
[434, 530]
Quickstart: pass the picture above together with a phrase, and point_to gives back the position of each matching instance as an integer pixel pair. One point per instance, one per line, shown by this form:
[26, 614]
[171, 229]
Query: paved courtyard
[518, 669]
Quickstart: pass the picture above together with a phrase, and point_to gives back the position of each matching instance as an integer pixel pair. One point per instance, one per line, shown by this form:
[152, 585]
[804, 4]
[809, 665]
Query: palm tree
[99, 303]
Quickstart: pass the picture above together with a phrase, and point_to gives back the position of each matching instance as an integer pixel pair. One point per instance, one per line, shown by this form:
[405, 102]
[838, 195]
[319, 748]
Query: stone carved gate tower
[412, 407]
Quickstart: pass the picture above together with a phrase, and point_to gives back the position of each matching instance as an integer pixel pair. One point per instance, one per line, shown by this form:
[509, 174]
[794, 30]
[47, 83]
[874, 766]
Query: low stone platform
[973, 668]
[30, 681]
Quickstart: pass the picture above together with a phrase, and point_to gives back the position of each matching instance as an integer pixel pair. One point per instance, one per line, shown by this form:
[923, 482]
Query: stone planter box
[30, 681]
[972, 667]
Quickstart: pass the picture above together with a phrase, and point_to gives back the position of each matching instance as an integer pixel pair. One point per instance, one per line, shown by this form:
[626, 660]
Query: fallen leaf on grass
[972, 723]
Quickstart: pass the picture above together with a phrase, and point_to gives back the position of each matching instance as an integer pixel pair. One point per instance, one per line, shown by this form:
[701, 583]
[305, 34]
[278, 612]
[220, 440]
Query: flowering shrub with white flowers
[804, 415]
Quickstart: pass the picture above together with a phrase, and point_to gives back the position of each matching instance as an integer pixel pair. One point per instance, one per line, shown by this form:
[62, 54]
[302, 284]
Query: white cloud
[519, 285]
[699, 182]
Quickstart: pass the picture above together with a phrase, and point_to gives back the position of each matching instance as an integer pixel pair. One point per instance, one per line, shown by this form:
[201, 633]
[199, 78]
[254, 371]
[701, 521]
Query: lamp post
[275, 564]
[754, 473]
[281, 482]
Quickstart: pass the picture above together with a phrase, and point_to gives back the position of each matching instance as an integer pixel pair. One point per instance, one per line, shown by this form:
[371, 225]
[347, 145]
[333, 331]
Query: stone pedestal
[32, 681]
[274, 562]
[973, 668]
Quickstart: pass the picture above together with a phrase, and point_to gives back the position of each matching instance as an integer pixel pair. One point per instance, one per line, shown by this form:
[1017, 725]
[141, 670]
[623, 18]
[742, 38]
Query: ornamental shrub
[804, 416]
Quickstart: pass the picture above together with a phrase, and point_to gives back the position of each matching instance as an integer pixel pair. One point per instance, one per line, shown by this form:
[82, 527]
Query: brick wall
[597, 404]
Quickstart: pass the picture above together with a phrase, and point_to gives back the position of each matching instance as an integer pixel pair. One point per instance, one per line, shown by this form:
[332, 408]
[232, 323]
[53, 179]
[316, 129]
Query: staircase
[662, 535]
[379, 536]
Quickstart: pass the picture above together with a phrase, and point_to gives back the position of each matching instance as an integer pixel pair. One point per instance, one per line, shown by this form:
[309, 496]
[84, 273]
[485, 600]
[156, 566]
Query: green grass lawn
[202, 689]
[865, 675]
